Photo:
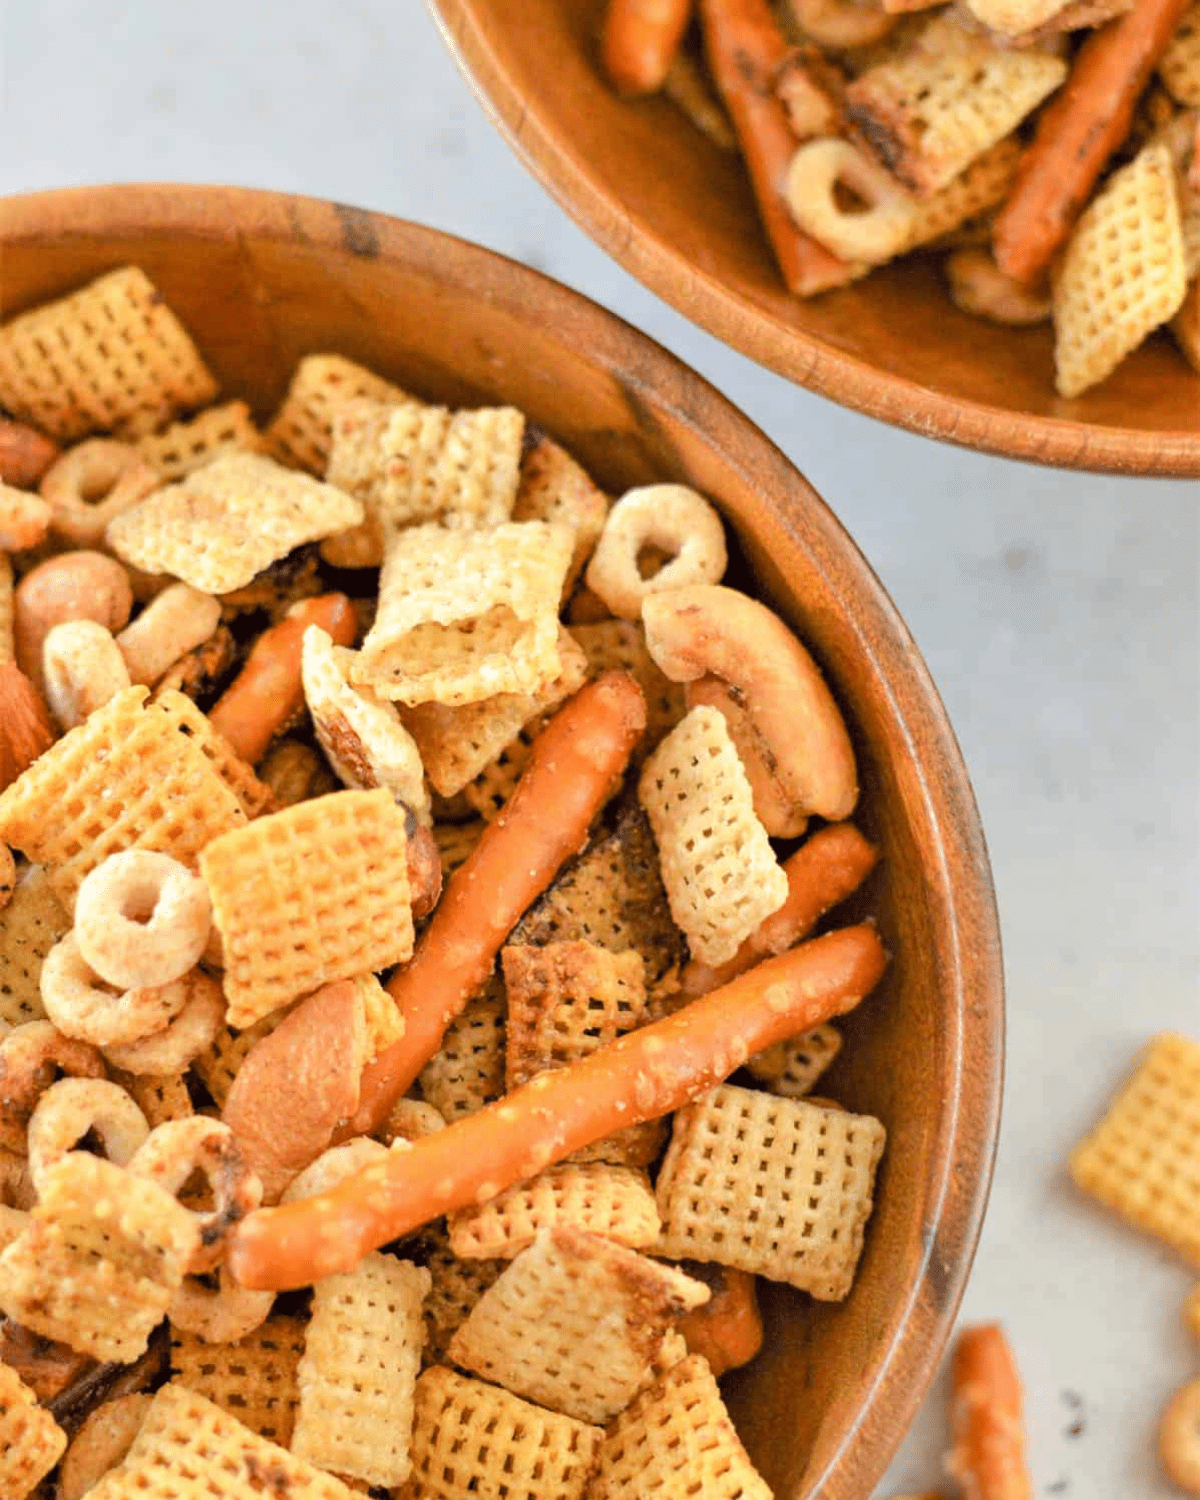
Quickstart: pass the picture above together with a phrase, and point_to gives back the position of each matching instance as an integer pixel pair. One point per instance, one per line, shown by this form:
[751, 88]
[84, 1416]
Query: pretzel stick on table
[572, 767]
[641, 1076]
[988, 1453]
[641, 39]
[745, 50]
[1077, 133]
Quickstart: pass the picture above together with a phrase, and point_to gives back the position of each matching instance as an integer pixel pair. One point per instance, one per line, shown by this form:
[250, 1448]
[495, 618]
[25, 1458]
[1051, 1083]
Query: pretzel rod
[1077, 133]
[988, 1453]
[826, 868]
[268, 690]
[641, 1076]
[571, 770]
[745, 50]
[728, 1329]
[641, 39]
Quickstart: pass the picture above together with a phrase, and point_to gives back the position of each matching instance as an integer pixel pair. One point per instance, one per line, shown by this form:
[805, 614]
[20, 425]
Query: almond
[26, 729]
[25, 454]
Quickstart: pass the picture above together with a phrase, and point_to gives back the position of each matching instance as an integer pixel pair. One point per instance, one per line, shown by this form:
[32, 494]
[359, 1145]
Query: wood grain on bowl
[262, 279]
[679, 214]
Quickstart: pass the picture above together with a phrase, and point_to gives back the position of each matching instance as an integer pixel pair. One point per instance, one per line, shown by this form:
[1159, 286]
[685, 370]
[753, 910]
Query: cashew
[773, 804]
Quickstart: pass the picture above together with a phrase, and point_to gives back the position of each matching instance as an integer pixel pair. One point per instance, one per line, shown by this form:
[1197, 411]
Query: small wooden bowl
[262, 279]
[678, 214]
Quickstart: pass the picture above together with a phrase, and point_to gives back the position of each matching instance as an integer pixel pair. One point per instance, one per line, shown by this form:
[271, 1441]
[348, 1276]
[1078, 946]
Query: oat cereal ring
[871, 235]
[170, 1051]
[24, 520]
[101, 1444]
[73, 1108]
[980, 287]
[1179, 1438]
[221, 1314]
[8, 875]
[670, 516]
[73, 586]
[84, 1008]
[334, 1166]
[176, 622]
[31, 1056]
[82, 668]
[142, 919]
[178, 1148]
[92, 484]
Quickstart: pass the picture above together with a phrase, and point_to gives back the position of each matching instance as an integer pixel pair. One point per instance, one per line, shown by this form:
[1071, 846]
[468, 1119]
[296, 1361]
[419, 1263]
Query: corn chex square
[620, 645]
[31, 1441]
[1179, 67]
[464, 615]
[126, 778]
[475, 1439]
[362, 1355]
[302, 897]
[574, 1324]
[160, 1097]
[792, 1068]
[253, 1379]
[456, 1287]
[675, 1440]
[30, 925]
[1143, 1159]
[100, 1259]
[182, 715]
[720, 872]
[927, 116]
[467, 1071]
[617, 1202]
[495, 784]
[553, 487]
[225, 523]
[1123, 273]
[112, 357]
[777, 1187]
[187, 446]
[301, 432]
[986, 183]
[456, 842]
[189, 1449]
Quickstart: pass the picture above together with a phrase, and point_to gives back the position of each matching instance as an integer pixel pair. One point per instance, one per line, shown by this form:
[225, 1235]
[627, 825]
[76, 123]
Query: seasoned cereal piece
[362, 1355]
[574, 1324]
[472, 1438]
[184, 447]
[111, 357]
[455, 842]
[621, 644]
[160, 1098]
[225, 523]
[457, 1286]
[792, 1068]
[302, 429]
[31, 1441]
[777, 1187]
[467, 1071]
[553, 487]
[30, 925]
[676, 1439]
[315, 893]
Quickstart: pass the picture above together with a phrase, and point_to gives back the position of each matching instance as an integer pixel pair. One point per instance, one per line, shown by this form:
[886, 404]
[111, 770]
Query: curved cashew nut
[712, 630]
[980, 287]
[842, 23]
[774, 806]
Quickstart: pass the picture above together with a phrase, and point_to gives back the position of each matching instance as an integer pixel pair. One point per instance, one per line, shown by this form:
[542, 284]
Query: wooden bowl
[262, 279]
[679, 215]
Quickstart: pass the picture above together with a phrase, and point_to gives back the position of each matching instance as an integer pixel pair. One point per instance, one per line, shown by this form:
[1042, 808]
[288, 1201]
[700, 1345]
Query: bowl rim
[799, 356]
[963, 1153]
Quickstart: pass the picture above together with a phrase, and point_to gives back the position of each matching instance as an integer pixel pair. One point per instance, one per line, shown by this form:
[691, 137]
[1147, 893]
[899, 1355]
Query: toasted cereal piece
[125, 779]
[464, 615]
[1014, 18]
[100, 1260]
[101, 1443]
[472, 1438]
[362, 1355]
[574, 1324]
[496, 783]
[331, 898]
[225, 523]
[184, 447]
[1143, 1159]
[614, 1201]
[7, 589]
[621, 645]
[31, 1441]
[777, 1187]
[411, 1120]
[182, 715]
[253, 1379]
[1179, 67]
[456, 1287]
[301, 431]
[676, 1439]
[457, 744]
[286, 582]
[822, 171]
[1179, 1438]
[30, 925]
[188, 1447]
[927, 116]
[721, 875]
[362, 736]
[455, 842]
[1122, 274]
[218, 1065]
[160, 1098]
[674, 519]
[334, 1166]
[553, 487]
[467, 1071]
[986, 183]
[111, 357]
[791, 1068]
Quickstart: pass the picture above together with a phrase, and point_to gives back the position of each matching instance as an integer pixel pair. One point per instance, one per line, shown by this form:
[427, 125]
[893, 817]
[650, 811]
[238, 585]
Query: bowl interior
[263, 279]
[678, 213]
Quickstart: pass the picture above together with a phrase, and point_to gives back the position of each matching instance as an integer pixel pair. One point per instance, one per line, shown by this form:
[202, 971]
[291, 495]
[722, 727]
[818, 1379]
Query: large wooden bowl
[262, 279]
[678, 213]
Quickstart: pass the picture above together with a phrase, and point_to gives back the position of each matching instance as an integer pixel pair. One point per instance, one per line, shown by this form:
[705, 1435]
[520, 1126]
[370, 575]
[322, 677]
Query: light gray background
[1058, 614]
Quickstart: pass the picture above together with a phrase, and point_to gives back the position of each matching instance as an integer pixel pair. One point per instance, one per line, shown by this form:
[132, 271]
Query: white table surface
[1058, 614]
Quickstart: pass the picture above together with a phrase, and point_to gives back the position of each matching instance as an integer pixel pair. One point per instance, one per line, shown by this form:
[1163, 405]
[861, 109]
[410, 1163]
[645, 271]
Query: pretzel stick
[826, 868]
[641, 1076]
[988, 1453]
[728, 1329]
[641, 38]
[745, 51]
[1077, 133]
[571, 770]
[268, 690]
